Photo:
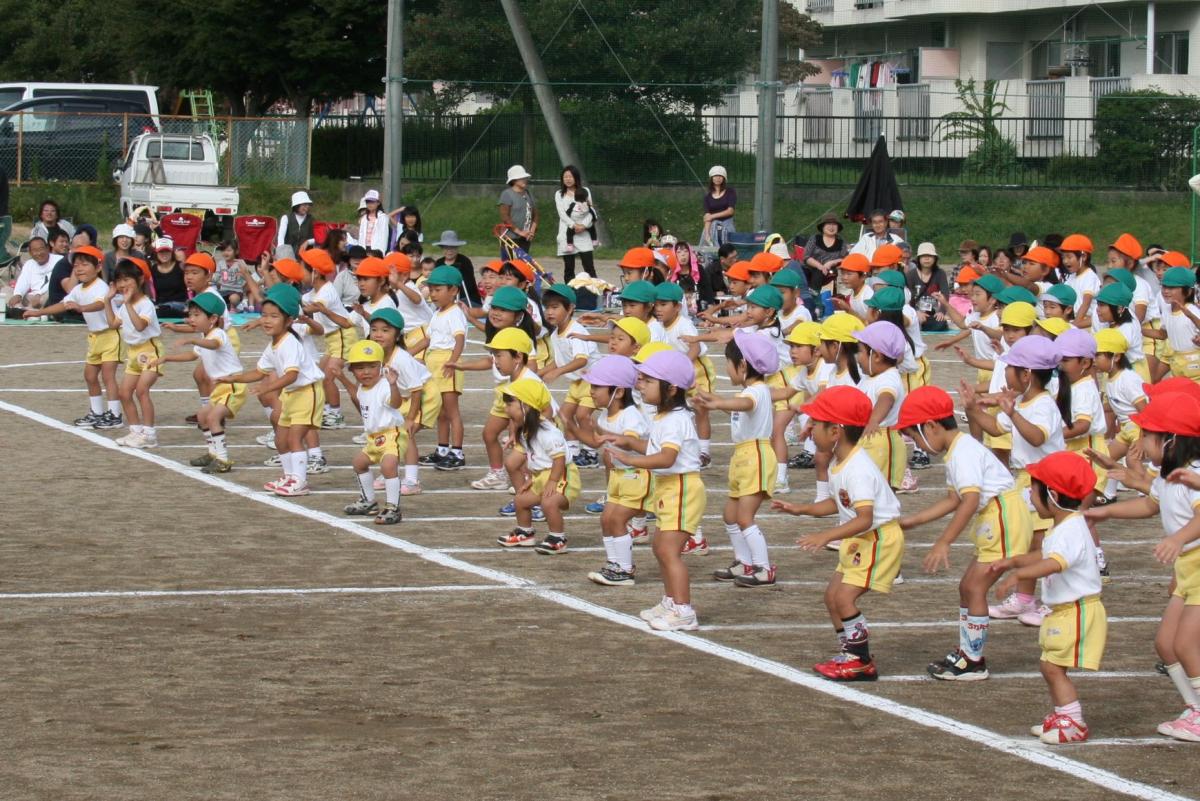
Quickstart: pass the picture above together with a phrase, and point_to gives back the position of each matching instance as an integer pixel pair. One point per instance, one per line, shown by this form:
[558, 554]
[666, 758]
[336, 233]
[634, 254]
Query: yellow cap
[529, 391]
[1055, 325]
[511, 338]
[1111, 340]
[650, 349]
[637, 330]
[840, 327]
[805, 334]
[1018, 314]
[364, 352]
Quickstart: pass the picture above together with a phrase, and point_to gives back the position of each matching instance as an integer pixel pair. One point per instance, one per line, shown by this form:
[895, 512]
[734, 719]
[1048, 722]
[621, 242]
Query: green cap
[1016, 294]
[1124, 277]
[390, 316]
[766, 296]
[669, 291]
[208, 303]
[509, 298]
[1065, 295]
[990, 284]
[887, 298]
[563, 291]
[445, 276]
[639, 292]
[286, 297]
[1115, 295]
[788, 279]
[1179, 276]
[893, 278]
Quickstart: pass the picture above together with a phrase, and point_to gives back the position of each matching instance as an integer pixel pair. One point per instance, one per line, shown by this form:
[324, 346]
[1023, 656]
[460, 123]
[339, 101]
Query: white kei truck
[168, 173]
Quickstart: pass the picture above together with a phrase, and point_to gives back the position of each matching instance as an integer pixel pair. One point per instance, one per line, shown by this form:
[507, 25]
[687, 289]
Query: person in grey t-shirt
[518, 209]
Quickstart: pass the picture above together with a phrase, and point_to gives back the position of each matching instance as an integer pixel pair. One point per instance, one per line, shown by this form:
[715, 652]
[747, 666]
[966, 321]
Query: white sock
[208, 438]
[288, 464]
[1182, 683]
[706, 446]
[1110, 488]
[410, 474]
[610, 550]
[573, 446]
[781, 476]
[822, 491]
[150, 432]
[810, 447]
[683, 610]
[300, 466]
[315, 453]
[217, 444]
[328, 409]
[96, 404]
[203, 400]
[639, 522]
[392, 491]
[115, 407]
[266, 412]
[135, 429]
[367, 484]
[740, 551]
[623, 551]
[757, 543]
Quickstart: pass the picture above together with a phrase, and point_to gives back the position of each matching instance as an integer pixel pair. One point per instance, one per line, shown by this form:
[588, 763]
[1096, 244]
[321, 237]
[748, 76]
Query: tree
[995, 156]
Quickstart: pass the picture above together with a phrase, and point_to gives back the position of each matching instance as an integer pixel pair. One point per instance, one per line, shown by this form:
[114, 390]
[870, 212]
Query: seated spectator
[229, 277]
[925, 282]
[898, 224]
[122, 248]
[61, 279]
[49, 217]
[823, 252]
[876, 236]
[170, 291]
[32, 289]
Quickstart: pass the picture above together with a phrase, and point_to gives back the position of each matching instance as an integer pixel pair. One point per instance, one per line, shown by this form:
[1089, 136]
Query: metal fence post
[20, 145]
[229, 150]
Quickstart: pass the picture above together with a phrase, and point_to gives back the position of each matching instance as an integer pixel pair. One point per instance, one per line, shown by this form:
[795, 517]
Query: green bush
[1072, 170]
[1144, 138]
[624, 140]
[996, 158]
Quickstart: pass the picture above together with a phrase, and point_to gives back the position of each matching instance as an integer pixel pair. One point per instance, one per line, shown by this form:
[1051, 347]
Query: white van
[142, 95]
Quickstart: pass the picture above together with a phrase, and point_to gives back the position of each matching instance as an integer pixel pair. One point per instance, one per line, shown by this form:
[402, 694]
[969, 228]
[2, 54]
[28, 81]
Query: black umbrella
[876, 187]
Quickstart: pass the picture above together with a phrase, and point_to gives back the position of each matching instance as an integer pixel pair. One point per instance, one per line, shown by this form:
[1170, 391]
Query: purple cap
[1033, 353]
[883, 337]
[758, 351]
[1076, 342]
[612, 370]
[670, 366]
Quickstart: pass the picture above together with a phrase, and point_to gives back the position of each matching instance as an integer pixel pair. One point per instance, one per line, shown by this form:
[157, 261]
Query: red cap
[1176, 383]
[886, 255]
[400, 262]
[764, 262]
[1066, 473]
[740, 271]
[202, 260]
[1170, 413]
[372, 267]
[289, 269]
[527, 272]
[845, 406]
[924, 404]
[855, 263]
[318, 259]
[1173, 258]
[1075, 243]
[88, 250]
[636, 259]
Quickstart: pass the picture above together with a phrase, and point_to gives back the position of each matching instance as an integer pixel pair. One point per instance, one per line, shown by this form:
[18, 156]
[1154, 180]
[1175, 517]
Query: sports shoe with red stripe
[1063, 729]
[699, 547]
[847, 667]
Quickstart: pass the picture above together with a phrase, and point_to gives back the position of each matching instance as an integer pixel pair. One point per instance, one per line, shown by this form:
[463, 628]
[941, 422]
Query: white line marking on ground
[36, 364]
[1033, 674]
[34, 596]
[1019, 748]
[906, 624]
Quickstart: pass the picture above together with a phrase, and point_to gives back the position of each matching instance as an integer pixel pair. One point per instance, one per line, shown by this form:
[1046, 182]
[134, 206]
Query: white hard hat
[124, 229]
[717, 170]
[516, 172]
[300, 198]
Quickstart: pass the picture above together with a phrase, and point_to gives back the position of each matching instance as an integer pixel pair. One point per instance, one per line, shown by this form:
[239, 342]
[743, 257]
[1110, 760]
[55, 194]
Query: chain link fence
[38, 146]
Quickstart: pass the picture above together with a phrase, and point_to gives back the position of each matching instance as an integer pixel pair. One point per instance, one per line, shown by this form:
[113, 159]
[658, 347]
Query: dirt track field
[169, 635]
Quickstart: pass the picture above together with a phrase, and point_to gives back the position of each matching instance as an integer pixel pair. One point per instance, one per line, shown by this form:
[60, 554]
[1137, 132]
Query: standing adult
[451, 257]
[719, 207]
[518, 209]
[823, 252]
[374, 227]
[570, 220]
[296, 227]
[49, 217]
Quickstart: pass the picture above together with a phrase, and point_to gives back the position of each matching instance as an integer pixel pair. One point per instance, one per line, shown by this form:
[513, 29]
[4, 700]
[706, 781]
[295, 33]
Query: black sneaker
[919, 460]
[108, 421]
[956, 667]
[1105, 576]
[451, 462]
[611, 575]
[432, 459]
[1161, 667]
[89, 420]
[801, 461]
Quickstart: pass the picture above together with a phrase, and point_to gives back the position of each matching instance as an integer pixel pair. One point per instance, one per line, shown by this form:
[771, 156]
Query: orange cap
[202, 260]
[764, 262]
[1076, 243]
[289, 269]
[740, 271]
[141, 265]
[966, 276]
[855, 263]
[635, 259]
[372, 267]
[885, 255]
[1173, 258]
[88, 250]
[668, 255]
[318, 259]
[1127, 245]
[495, 265]
[1042, 255]
[400, 262]
[527, 272]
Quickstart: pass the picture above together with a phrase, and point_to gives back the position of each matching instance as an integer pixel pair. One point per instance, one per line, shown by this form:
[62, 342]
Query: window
[174, 151]
[1171, 53]
[1104, 59]
[1005, 61]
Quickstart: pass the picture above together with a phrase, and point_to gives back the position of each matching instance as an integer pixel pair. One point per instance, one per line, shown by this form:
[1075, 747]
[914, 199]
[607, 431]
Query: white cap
[779, 249]
[718, 170]
[926, 249]
[516, 172]
[300, 198]
[669, 240]
[897, 215]
[164, 243]
[372, 195]
[124, 229]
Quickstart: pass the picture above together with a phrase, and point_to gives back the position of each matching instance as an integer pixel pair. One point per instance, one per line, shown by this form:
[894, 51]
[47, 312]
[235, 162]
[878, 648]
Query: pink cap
[670, 366]
[759, 351]
[612, 370]
[883, 337]
[1033, 353]
[1075, 342]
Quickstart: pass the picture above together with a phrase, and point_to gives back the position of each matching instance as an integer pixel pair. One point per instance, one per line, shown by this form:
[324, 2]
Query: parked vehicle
[143, 96]
[177, 172]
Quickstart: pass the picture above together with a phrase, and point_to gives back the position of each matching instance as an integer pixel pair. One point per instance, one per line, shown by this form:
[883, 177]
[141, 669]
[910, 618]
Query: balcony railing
[818, 109]
[913, 103]
[1047, 106]
[819, 6]
[1107, 86]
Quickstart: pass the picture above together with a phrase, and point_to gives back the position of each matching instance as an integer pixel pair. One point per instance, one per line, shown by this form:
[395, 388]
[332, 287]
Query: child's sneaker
[674, 620]
[361, 507]
[1063, 729]
[637, 533]
[595, 508]
[517, 539]
[360, 438]
[145, 440]
[908, 484]
[551, 545]
[790, 436]
[430, 459]
[761, 577]
[317, 465]
[919, 460]
[127, 440]
[275, 461]
[493, 480]
[89, 420]
[658, 610]
[613, 575]
[732, 572]
[538, 515]
[199, 461]
[705, 460]
[699, 547]
[1010, 608]
[333, 420]
[1034, 617]
[833, 545]
[509, 509]
[451, 462]
[956, 667]
[801, 461]
[292, 488]
[847, 667]
[266, 440]
[782, 487]
[651, 517]
[271, 485]
[217, 466]
[389, 516]
[1186, 727]
[1038, 729]
[380, 483]
[109, 421]
[410, 488]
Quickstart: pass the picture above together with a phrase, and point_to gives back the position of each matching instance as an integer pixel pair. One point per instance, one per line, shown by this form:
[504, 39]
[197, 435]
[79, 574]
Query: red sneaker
[641, 534]
[271, 485]
[847, 667]
[699, 547]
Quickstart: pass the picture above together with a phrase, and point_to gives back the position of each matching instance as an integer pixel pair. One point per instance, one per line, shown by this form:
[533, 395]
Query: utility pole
[545, 95]
[393, 128]
[768, 84]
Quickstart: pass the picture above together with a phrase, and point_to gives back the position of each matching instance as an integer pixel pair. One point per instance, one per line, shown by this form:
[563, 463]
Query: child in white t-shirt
[380, 401]
[133, 313]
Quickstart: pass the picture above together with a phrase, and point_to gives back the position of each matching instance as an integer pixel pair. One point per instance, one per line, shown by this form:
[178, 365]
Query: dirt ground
[359, 668]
